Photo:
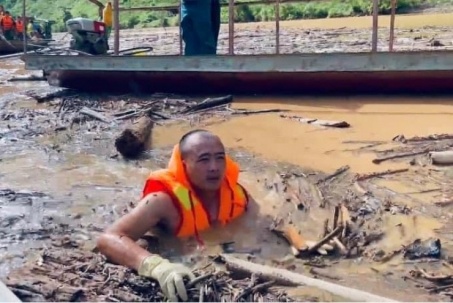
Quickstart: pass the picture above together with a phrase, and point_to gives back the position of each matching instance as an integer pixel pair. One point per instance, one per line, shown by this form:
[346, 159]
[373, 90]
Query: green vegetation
[62, 10]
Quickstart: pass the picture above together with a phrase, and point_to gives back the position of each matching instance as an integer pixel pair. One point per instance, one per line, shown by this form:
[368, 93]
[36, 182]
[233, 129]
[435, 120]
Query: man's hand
[169, 275]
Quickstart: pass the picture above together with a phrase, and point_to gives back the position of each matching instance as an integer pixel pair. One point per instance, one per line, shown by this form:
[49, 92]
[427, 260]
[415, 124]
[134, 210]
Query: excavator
[100, 6]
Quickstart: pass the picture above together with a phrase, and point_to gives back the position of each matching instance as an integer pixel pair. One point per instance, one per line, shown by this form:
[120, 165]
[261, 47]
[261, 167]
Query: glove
[169, 275]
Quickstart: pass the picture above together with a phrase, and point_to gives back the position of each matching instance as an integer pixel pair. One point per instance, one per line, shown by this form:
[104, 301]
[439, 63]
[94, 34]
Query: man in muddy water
[200, 24]
[198, 189]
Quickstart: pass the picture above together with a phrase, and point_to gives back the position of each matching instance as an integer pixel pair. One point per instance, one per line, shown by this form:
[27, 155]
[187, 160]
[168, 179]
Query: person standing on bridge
[107, 18]
[200, 24]
[8, 26]
[198, 189]
[20, 28]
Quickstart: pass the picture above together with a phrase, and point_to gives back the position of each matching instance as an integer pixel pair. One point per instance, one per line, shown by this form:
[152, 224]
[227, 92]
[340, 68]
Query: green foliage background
[61, 10]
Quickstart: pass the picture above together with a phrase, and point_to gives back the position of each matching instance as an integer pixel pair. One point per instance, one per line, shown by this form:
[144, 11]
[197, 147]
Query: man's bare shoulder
[157, 203]
[148, 212]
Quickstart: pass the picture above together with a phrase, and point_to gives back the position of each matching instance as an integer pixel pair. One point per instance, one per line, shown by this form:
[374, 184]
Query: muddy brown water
[70, 178]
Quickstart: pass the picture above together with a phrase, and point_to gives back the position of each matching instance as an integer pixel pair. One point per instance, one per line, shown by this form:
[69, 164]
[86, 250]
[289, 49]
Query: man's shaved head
[194, 137]
[203, 155]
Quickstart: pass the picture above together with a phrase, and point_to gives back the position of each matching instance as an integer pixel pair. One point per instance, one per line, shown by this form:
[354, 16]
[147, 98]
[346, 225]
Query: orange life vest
[194, 218]
[7, 23]
[19, 26]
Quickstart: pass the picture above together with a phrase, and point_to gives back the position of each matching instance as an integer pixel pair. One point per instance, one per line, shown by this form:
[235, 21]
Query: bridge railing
[231, 15]
[231, 4]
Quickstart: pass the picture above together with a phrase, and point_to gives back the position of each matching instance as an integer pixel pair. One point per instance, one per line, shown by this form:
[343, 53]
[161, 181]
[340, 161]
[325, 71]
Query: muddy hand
[169, 275]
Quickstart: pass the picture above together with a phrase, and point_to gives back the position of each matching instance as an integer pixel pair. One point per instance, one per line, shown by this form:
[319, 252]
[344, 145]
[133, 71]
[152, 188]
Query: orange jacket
[7, 23]
[19, 26]
[194, 218]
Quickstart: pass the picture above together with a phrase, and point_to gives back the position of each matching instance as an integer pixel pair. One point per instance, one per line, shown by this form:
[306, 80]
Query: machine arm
[99, 5]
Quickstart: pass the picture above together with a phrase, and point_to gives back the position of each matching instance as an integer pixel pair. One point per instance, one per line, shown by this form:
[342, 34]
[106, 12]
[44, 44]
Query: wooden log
[209, 103]
[338, 172]
[280, 275]
[134, 139]
[315, 121]
[442, 157]
[380, 174]
[399, 156]
[94, 114]
[27, 78]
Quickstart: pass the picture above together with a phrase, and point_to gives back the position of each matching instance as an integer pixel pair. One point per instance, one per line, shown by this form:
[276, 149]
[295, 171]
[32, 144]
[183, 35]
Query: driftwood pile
[421, 150]
[69, 274]
[435, 282]
[353, 223]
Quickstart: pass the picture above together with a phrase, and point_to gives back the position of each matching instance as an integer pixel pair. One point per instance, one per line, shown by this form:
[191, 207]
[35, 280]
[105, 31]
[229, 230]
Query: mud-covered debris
[436, 43]
[71, 274]
[12, 194]
[315, 121]
[429, 248]
[341, 237]
[370, 205]
[434, 137]
[229, 247]
[440, 281]
[48, 93]
[396, 209]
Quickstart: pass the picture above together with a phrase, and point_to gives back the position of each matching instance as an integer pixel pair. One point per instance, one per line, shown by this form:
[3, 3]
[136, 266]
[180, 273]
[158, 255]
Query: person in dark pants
[215, 19]
[200, 26]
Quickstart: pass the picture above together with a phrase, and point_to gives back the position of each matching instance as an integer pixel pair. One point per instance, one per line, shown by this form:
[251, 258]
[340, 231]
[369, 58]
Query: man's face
[205, 163]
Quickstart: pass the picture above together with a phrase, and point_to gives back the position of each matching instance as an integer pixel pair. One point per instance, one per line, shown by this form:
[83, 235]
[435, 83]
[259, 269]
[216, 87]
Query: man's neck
[208, 197]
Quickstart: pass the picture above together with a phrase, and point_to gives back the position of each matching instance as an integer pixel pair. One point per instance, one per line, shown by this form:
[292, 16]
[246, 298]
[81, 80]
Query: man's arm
[118, 242]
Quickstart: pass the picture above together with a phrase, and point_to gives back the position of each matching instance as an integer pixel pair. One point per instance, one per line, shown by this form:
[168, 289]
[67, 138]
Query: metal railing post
[180, 28]
[374, 39]
[392, 26]
[277, 27]
[116, 22]
[24, 25]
